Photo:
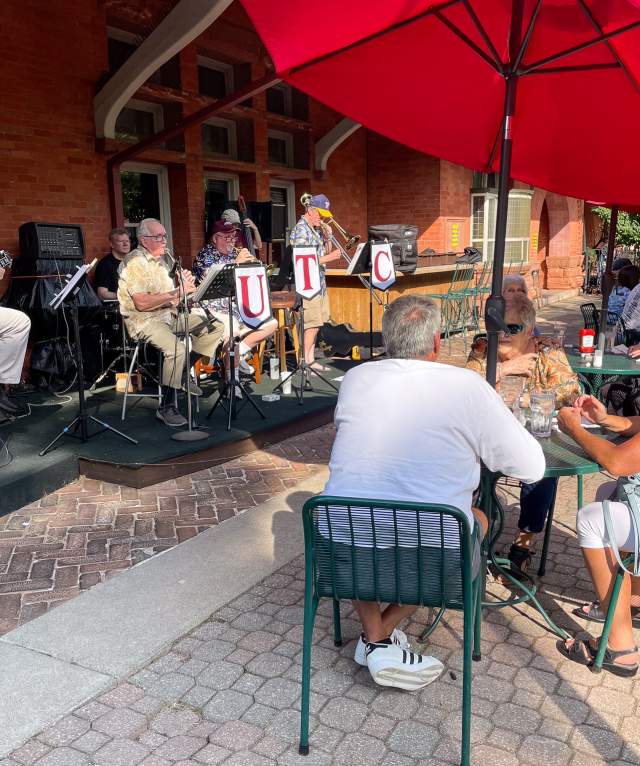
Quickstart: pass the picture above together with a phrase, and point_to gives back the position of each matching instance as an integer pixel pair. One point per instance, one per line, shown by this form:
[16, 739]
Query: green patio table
[614, 366]
[563, 458]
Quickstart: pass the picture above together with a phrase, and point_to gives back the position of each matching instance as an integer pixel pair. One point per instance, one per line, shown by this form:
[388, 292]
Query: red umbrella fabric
[432, 76]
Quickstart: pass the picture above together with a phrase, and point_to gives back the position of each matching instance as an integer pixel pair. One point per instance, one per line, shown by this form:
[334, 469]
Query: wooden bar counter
[349, 298]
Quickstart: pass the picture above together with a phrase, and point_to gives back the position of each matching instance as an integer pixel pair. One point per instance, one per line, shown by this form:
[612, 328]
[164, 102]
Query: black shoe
[10, 406]
[170, 416]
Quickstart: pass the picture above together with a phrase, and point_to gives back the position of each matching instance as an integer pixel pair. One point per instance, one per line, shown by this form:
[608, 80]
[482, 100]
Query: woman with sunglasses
[542, 367]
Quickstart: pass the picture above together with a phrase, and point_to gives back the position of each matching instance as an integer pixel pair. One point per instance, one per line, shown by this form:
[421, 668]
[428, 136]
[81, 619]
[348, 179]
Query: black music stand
[80, 423]
[223, 285]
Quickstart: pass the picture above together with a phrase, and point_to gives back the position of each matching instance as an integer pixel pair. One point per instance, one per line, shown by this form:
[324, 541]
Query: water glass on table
[542, 404]
[559, 329]
[511, 387]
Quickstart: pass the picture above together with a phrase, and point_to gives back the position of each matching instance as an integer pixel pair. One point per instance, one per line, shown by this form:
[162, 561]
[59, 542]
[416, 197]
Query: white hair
[409, 327]
[143, 228]
[514, 279]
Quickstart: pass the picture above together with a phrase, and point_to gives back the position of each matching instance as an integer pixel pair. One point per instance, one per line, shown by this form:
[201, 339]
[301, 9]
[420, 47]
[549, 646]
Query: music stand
[222, 284]
[69, 295]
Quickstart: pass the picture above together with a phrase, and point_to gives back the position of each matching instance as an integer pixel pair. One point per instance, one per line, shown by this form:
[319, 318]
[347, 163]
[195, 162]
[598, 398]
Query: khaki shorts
[316, 311]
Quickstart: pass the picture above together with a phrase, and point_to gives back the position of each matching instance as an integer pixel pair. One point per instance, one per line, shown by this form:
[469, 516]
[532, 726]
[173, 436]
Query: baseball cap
[223, 227]
[319, 200]
[232, 216]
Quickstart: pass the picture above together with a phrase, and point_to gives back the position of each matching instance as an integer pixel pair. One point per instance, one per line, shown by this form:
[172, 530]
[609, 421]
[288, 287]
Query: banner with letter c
[252, 294]
[383, 273]
[306, 270]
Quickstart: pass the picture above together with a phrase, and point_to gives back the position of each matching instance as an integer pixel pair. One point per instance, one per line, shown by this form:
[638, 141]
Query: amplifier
[51, 241]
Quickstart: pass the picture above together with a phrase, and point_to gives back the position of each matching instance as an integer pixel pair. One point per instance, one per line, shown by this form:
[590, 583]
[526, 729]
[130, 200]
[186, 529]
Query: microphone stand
[191, 434]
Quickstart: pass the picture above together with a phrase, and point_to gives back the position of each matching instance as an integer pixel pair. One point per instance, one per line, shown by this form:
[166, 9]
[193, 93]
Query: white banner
[252, 294]
[306, 269]
[383, 274]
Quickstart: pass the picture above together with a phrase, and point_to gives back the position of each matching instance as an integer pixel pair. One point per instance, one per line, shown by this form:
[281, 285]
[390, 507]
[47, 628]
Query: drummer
[107, 268]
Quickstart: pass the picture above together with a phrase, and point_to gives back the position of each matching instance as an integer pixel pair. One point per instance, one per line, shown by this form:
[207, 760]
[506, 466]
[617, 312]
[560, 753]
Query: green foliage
[627, 231]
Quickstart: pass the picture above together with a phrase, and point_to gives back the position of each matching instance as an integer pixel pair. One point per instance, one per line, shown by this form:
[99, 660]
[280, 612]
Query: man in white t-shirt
[412, 429]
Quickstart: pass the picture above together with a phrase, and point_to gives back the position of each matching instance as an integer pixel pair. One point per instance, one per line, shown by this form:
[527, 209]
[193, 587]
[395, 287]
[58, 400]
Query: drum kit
[112, 339]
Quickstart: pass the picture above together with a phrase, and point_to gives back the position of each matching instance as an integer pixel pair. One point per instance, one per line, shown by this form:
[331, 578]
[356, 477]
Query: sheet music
[204, 285]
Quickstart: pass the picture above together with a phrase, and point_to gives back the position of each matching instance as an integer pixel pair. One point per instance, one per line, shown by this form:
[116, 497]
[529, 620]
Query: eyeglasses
[155, 237]
[228, 237]
[513, 329]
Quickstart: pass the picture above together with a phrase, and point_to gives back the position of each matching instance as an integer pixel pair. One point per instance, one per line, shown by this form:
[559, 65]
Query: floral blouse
[552, 371]
[206, 258]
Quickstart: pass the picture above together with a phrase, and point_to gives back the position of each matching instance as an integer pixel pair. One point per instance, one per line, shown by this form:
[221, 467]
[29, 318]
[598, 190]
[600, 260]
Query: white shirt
[417, 431]
[631, 311]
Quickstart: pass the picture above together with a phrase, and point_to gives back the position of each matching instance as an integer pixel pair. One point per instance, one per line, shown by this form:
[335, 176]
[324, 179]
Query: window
[219, 138]
[279, 99]
[215, 79]
[280, 148]
[122, 44]
[138, 120]
[483, 225]
[219, 192]
[145, 194]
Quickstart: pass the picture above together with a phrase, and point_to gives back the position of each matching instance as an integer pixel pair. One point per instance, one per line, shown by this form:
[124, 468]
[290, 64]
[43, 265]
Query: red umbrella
[545, 91]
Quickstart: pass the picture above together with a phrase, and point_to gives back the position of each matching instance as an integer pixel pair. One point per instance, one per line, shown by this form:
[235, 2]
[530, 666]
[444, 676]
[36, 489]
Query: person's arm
[618, 459]
[153, 301]
[257, 239]
[332, 255]
[106, 295]
[594, 410]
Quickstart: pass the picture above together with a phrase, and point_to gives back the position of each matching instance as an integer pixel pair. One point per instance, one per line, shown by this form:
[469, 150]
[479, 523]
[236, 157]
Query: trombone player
[311, 232]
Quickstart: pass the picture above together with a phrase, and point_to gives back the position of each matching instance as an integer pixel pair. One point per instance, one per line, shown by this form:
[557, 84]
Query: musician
[309, 232]
[148, 302]
[233, 217]
[14, 334]
[107, 268]
[222, 250]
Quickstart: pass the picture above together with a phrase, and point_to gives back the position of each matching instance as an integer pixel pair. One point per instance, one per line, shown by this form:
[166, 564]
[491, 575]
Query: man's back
[417, 431]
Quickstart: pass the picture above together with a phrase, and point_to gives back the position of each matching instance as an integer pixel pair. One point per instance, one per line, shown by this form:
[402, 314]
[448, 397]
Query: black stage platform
[157, 457]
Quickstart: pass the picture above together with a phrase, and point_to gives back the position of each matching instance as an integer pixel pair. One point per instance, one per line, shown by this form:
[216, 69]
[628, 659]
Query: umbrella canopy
[544, 91]
[432, 76]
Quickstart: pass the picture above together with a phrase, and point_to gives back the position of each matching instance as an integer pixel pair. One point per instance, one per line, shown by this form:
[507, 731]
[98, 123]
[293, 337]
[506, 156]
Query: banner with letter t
[306, 270]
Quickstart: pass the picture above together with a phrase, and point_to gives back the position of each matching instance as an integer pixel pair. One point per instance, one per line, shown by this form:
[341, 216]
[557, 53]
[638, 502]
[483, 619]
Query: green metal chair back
[423, 554]
[462, 277]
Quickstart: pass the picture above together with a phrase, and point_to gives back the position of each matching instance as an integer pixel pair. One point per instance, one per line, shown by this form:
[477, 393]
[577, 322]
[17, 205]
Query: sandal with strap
[583, 653]
[520, 558]
[593, 612]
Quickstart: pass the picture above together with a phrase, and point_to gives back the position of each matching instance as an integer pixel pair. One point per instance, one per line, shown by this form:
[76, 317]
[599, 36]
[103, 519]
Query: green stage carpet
[26, 476]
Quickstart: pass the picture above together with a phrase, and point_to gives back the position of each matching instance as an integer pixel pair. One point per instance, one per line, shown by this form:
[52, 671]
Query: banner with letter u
[306, 270]
[383, 273]
[252, 294]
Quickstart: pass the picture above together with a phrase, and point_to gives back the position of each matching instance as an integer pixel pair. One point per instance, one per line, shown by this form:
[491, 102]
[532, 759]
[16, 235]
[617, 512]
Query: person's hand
[250, 223]
[188, 282]
[569, 420]
[174, 300]
[2, 271]
[519, 365]
[244, 256]
[591, 408]
[634, 351]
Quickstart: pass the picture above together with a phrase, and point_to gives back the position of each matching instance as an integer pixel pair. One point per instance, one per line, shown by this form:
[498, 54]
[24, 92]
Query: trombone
[350, 241]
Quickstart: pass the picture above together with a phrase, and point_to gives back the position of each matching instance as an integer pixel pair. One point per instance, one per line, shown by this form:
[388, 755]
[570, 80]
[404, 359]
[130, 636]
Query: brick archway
[556, 240]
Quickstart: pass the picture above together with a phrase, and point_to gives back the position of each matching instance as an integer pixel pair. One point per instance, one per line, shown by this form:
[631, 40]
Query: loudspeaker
[260, 213]
[403, 239]
[51, 240]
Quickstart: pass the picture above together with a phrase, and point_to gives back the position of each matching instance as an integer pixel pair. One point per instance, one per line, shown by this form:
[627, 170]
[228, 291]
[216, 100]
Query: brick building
[61, 121]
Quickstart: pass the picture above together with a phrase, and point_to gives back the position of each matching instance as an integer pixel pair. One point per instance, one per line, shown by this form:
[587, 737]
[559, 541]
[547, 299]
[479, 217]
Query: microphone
[175, 264]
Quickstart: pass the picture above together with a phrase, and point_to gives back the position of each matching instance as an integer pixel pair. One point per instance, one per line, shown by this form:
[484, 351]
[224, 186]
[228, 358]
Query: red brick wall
[49, 170]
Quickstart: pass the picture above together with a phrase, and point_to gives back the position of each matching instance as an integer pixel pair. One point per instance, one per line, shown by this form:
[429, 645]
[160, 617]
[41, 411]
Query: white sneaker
[390, 665]
[245, 368]
[398, 637]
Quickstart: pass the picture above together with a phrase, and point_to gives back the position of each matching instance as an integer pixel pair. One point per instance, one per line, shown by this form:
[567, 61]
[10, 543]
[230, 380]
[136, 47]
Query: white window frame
[291, 202]
[288, 139]
[525, 241]
[219, 66]
[232, 181]
[124, 37]
[233, 138]
[163, 192]
[288, 102]
[148, 106]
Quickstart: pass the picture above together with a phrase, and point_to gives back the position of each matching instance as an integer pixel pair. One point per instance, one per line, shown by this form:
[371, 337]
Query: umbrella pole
[607, 279]
[494, 308]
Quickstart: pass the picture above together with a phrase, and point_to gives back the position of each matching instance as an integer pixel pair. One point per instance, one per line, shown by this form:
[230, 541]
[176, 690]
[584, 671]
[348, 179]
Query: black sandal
[583, 653]
[595, 613]
[520, 558]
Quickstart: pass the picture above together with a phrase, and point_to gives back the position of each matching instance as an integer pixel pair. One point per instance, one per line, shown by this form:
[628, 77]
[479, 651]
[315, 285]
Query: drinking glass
[542, 406]
[559, 329]
[511, 387]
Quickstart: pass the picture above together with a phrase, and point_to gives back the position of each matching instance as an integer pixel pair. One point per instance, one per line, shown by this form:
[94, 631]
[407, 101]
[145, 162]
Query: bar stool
[282, 304]
[139, 367]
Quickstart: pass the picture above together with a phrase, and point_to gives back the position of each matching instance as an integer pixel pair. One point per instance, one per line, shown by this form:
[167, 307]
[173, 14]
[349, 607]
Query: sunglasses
[513, 329]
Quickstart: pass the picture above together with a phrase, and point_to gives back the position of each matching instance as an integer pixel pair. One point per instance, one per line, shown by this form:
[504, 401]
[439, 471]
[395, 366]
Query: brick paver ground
[229, 691]
[68, 541]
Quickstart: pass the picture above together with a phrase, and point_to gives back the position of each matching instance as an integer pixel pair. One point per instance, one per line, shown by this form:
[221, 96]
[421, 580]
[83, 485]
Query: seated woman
[514, 284]
[623, 459]
[543, 368]
[222, 249]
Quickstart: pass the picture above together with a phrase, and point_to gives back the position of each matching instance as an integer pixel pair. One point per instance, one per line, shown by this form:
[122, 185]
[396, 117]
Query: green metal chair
[613, 602]
[429, 574]
[456, 306]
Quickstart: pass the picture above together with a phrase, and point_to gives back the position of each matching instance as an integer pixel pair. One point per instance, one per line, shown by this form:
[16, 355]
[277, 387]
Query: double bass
[242, 208]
